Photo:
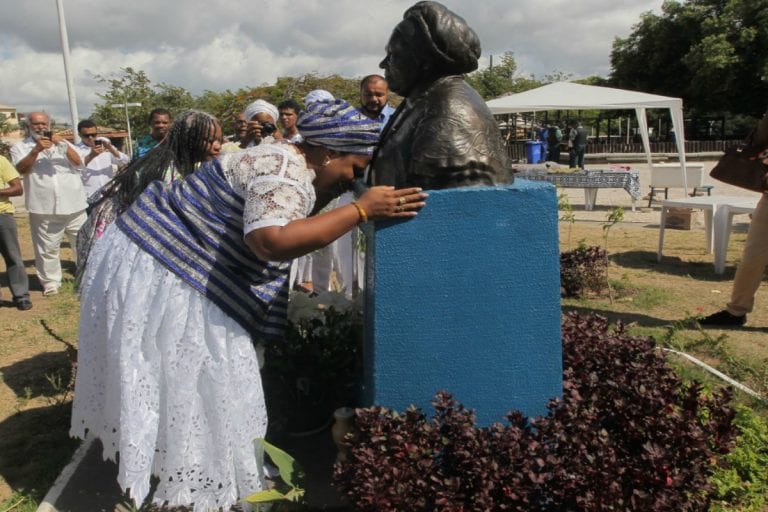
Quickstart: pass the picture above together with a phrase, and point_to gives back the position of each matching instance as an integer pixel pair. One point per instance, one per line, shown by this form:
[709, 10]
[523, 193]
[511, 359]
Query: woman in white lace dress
[183, 290]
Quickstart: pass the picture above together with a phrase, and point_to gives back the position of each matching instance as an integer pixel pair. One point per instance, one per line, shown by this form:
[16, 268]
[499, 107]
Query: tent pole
[642, 125]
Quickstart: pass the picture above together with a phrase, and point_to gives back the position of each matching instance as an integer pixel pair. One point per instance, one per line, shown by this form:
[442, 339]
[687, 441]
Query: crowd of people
[555, 137]
[59, 179]
[187, 252]
[183, 254]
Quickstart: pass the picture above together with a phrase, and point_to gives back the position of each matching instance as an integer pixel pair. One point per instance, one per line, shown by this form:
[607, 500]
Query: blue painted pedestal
[466, 298]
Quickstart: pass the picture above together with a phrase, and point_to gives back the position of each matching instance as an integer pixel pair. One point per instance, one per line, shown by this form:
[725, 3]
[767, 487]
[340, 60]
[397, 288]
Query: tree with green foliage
[134, 86]
[501, 78]
[131, 86]
[709, 52]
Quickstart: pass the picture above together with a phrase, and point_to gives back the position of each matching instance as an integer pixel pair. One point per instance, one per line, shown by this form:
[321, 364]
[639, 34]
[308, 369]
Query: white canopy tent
[571, 96]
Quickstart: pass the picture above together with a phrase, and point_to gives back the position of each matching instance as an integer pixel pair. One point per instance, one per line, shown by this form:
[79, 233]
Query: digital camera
[267, 129]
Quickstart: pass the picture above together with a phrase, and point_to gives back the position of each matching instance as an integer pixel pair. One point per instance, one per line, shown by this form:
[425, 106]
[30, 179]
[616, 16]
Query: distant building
[117, 137]
[8, 113]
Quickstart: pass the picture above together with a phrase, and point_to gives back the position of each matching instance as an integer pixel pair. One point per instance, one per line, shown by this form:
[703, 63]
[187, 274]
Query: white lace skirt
[168, 380]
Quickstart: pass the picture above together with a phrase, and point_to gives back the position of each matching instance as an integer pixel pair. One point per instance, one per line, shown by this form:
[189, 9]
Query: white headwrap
[261, 106]
[318, 95]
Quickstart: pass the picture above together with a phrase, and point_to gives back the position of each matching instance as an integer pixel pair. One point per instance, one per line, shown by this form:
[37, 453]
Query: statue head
[431, 41]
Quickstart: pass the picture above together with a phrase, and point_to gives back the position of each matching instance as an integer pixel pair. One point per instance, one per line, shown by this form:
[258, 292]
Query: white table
[588, 179]
[710, 205]
[724, 222]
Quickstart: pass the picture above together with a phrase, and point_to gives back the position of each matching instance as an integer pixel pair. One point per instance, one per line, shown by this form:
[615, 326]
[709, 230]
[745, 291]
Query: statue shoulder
[453, 96]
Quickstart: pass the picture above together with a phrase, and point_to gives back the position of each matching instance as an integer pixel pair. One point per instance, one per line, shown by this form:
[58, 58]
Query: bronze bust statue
[442, 135]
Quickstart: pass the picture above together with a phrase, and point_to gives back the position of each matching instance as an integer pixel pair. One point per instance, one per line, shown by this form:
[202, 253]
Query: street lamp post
[67, 74]
[127, 121]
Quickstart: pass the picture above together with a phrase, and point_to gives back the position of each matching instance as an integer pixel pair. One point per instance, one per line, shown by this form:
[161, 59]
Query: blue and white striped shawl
[195, 228]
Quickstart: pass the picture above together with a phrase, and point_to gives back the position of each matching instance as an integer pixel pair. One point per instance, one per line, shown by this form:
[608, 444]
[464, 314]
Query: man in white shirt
[53, 193]
[100, 157]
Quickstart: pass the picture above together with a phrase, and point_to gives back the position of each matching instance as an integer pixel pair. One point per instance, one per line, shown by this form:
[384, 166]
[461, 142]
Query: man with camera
[262, 117]
[258, 125]
[54, 195]
[100, 157]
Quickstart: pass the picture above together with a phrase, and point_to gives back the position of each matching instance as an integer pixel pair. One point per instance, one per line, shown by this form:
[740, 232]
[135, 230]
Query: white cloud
[218, 44]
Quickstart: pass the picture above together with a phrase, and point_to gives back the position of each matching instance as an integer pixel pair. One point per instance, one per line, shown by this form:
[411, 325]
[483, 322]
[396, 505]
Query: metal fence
[516, 149]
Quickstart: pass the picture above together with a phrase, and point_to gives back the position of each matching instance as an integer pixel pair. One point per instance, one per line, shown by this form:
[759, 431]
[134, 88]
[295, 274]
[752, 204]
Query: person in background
[241, 132]
[289, 112]
[194, 137]
[577, 138]
[100, 157]
[54, 195]
[542, 134]
[374, 99]
[10, 186]
[303, 272]
[316, 95]
[554, 136]
[187, 286]
[241, 128]
[159, 121]
[261, 117]
[344, 255]
[754, 258]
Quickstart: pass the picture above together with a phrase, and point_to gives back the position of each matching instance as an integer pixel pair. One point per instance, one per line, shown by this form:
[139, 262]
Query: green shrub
[742, 482]
[582, 270]
[313, 370]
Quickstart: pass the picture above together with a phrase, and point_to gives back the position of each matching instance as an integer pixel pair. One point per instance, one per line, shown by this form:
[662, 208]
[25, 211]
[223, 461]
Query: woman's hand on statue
[385, 202]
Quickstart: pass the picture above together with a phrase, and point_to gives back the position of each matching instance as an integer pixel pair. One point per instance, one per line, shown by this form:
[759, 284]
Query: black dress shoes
[723, 319]
[23, 304]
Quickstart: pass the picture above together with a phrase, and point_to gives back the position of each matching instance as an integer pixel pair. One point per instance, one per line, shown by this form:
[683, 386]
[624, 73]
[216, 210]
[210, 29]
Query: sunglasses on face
[88, 135]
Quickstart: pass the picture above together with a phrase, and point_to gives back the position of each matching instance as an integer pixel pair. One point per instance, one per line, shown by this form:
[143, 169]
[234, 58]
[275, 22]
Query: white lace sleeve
[275, 183]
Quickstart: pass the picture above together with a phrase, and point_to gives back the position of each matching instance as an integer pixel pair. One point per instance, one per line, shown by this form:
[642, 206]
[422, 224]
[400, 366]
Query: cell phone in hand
[48, 134]
[98, 142]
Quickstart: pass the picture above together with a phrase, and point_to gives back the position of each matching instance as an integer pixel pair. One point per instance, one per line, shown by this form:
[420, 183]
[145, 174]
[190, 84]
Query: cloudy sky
[219, 45]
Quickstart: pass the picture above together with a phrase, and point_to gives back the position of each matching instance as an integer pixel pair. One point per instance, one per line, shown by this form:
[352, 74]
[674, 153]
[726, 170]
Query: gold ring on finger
[403, 200]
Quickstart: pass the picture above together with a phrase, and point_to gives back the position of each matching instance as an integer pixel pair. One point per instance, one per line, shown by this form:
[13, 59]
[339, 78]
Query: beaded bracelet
[360, 212]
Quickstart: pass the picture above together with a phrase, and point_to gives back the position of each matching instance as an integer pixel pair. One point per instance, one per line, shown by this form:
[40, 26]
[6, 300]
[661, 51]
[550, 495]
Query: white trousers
[47, 232]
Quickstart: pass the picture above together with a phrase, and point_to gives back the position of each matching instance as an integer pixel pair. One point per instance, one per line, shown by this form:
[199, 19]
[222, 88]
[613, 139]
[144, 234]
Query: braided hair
[183, 148]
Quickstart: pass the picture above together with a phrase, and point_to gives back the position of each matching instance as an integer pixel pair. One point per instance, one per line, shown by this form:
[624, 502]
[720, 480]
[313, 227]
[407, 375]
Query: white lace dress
[165, 378]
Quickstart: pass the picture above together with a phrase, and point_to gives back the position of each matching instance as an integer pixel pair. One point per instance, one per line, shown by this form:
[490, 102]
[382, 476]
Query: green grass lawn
[651, 298]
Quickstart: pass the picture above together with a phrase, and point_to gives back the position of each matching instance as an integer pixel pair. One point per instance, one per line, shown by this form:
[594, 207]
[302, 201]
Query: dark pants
[576, 158]
[14, 265]
[554, 152]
